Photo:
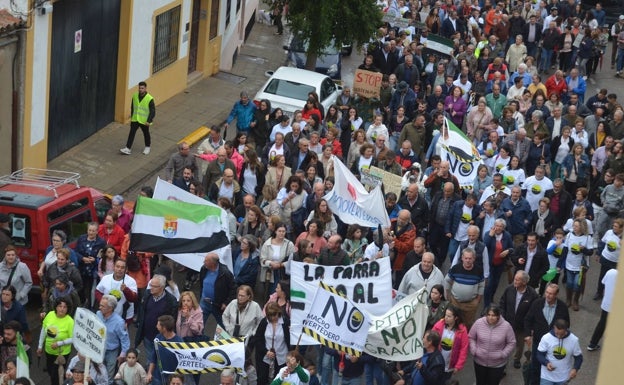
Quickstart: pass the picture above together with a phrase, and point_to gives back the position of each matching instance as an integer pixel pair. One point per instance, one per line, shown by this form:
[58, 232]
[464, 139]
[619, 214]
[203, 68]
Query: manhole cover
[228, 77]
[253, 59]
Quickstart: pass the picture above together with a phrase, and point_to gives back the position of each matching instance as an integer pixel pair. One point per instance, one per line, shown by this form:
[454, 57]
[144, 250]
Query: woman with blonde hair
[278, 173]
[190, 321]
[269, 203]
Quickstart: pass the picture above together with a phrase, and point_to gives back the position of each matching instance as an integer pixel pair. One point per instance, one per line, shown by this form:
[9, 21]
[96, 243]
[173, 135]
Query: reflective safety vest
[140, 109]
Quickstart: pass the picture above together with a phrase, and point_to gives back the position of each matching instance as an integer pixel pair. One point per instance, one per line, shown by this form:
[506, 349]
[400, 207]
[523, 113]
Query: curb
[195, 136]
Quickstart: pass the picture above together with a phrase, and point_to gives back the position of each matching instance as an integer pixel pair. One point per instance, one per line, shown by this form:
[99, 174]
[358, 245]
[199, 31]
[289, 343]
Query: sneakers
[517, 364]
[597, 297]
[617, 74]
[125, 151]
[592, 347]
[146, 151]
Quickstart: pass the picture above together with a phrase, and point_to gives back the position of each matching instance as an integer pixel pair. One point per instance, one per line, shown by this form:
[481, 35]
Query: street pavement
[207, 103]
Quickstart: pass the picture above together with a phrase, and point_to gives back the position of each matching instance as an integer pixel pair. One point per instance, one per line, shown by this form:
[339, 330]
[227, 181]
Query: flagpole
[160, 369]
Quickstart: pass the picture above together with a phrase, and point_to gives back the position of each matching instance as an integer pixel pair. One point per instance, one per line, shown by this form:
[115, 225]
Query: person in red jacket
[455, 343]
[556, 84]
[111, 232]
[403, 234]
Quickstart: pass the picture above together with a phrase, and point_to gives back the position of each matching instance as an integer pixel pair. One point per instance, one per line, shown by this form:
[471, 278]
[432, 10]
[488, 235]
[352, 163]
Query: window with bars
[166, 39]
[214, 19]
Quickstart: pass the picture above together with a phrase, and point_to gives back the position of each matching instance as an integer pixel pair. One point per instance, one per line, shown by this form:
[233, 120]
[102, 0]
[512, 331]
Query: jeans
[394, 141]
[546, 382]
[546, 59]
[110, 360]
[374, 373]
[582, 66]
[572, 280]
[349, 380]
[452, 250]
[327, 370]
[620, 59]
[208, 309]
[492, 283]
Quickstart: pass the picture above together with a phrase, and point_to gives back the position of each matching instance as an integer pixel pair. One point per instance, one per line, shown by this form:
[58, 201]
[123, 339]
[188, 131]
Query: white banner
[201, 357]
[397, 335]
[336, 322]
[167, 191]
[350, 201]
[367, 284]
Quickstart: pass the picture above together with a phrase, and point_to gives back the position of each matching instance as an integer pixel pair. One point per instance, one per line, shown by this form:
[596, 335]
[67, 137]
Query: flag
[201, 357]
[162, 226]
[438, 45]
[460, 152]
[397, 335]
[22, 359]
[336, 322]
[167, 191]
[350, 201]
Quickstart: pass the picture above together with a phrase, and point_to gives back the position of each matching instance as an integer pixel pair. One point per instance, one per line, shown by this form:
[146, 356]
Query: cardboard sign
[89, 336]
[366, 83]
[391, 182]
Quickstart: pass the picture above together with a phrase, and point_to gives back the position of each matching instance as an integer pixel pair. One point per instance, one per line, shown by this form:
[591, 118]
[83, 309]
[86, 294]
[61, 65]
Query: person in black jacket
[532, 258]
[155, 303]
[515, 314]
[536, 325]
[271, 349]
[560, 203]
[417, 206]
[217, 287]
[431, 365]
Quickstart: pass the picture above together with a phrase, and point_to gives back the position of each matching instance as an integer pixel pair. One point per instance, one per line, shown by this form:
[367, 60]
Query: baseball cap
[621, 17]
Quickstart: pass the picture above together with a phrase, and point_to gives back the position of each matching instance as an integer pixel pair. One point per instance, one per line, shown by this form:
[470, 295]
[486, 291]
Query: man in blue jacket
[243, 110]
[517, 213]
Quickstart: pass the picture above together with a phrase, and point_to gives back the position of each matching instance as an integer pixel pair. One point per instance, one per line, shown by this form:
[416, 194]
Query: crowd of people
[548, 198]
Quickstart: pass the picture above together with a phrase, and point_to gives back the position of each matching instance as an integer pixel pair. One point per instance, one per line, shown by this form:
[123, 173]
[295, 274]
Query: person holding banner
[162, 360]
[117, 339]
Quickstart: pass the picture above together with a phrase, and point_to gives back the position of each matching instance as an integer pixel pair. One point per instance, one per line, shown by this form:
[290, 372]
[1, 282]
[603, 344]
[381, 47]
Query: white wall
[19, 7]
[142, 37]
[39, 87]
[234, 35]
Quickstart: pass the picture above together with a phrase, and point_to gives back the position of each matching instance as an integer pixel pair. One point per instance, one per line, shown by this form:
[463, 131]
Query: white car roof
[297, 75]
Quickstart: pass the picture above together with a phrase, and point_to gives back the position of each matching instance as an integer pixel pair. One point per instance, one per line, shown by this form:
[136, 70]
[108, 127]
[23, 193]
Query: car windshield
[289, 89]
[299, 45]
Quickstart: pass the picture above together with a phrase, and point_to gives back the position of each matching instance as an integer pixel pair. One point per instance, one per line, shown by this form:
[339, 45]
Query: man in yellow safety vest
[142, 112]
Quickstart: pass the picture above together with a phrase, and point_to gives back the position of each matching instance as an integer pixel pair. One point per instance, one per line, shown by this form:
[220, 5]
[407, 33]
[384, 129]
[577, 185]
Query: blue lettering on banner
[350, 207]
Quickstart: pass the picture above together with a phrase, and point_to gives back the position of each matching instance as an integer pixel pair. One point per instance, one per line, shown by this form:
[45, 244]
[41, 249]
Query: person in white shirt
[282, 127]
[536, 187]
[609, 289]
[560, 354]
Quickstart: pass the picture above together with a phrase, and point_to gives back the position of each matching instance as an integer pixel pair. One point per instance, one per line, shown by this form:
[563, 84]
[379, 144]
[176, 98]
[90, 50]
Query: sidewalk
[205, 103]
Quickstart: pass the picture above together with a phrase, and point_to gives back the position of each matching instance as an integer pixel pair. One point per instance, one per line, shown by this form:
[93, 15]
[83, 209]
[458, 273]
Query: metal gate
[83, 73]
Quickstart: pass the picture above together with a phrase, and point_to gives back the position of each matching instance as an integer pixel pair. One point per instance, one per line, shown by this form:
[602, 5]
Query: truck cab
[40, 201]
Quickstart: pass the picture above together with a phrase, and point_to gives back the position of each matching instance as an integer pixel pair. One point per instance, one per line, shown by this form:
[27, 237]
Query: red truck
[40, 201]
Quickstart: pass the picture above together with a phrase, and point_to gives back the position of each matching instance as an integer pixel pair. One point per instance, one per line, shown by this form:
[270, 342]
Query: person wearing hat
[77, 375]
[5, 232]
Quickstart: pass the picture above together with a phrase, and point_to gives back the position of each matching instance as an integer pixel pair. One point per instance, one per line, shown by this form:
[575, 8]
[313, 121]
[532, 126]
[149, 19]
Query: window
[238, 5]
[327, 89]
[74, 226]
[228, 11]
[77, 205]
[214, 19]
[166, 39]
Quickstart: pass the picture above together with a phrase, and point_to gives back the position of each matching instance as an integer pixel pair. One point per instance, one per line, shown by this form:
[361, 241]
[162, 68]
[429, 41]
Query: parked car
[288, 88]
[41, 201]
[329, 63]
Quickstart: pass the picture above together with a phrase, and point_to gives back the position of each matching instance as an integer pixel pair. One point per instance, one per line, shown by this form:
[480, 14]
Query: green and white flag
[460, 152]
[170, 226]
[22, 359]
[439, 44]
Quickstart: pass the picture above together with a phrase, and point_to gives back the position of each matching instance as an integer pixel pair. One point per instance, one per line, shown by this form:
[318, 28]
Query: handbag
[236, 332]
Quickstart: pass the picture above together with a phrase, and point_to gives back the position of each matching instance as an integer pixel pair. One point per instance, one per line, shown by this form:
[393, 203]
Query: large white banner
[350, 201]
[336, 322]
[397, 334]
[201, 357]
[367, 284]
[167, 191]
[459, 151]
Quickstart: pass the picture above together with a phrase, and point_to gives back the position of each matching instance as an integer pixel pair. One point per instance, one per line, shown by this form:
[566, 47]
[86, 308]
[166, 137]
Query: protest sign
[397, 335]
[89, 336]
[367, 84]
[202, 357]
[391, 182]
[367, 284]
[460, 152]
[350, 201]
[336, 322]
